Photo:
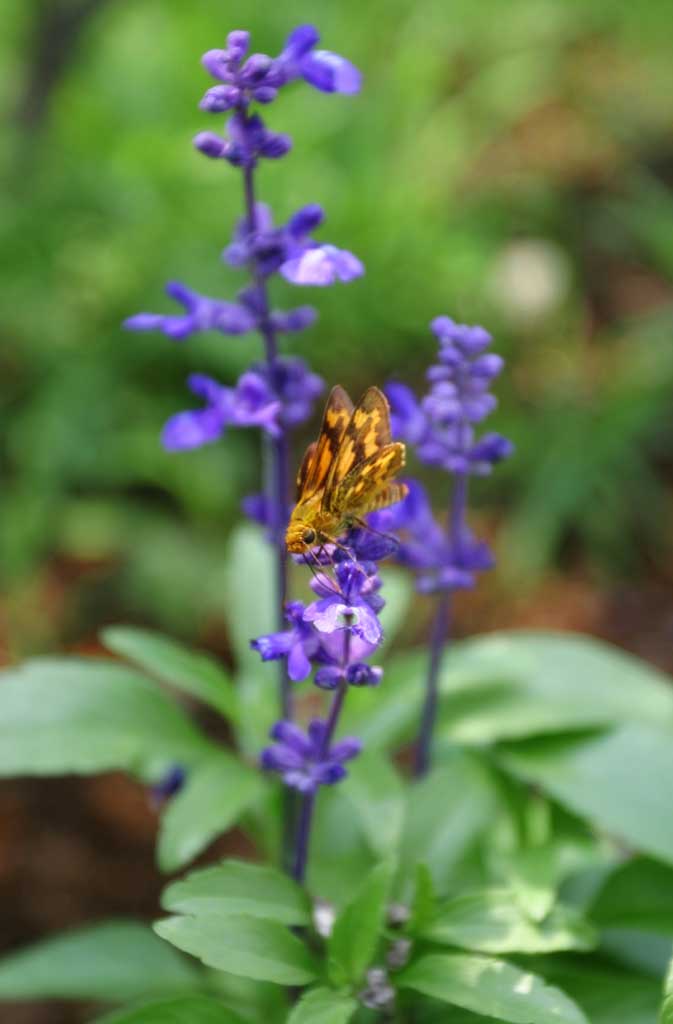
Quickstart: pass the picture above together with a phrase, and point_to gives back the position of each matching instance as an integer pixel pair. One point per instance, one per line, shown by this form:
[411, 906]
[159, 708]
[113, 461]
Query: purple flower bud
[218, 63]
[306, 220]
[255, 69]
[264, 94]
[346, 749]
[294, 319]
[275, 145]
[238, 42]
[300, 41]
[328, 677]
[361, 674]
[220, 99]
[211, 145]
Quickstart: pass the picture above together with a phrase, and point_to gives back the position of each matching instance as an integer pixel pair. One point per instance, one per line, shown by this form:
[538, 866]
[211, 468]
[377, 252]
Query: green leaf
[323, 1006]
[606, 996]
[250, 594]
[490, 987]
[376, 791]
[173, 663]
[238, 887]
[398, 588]
[491, 921]
[638, 894]
[595, 778]
[424, 901]
[81, 715]
[216, 794]
[184, 1010]
[516, 684]
[445, 812]
[666, 1016]
[358, 927]
[340, 852]
[248, 946]
[114, 961]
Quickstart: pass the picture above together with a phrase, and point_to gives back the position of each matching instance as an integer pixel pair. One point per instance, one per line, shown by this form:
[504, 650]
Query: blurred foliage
[509, 164]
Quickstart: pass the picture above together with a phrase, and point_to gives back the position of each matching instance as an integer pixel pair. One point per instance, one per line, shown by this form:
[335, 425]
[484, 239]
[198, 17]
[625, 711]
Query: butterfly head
[300, 536]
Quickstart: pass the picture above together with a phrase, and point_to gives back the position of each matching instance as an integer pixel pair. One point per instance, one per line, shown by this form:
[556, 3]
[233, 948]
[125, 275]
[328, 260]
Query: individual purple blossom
[201, 314]
[169, 785]
[250, 404]
[351, 606]
[299, 644]
[322, 69]
[290, 250]
[357, 673]
[306, 760]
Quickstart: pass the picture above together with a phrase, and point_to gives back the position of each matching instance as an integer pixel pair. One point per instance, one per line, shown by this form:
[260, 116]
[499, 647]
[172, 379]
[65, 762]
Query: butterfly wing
[367, 432]
[320, 455]
[369, 485]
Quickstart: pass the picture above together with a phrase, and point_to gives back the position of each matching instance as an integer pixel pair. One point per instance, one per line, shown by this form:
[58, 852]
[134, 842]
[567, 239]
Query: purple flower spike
[303, 759]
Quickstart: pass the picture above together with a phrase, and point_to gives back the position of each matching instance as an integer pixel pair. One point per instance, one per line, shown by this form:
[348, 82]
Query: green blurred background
[508, 163]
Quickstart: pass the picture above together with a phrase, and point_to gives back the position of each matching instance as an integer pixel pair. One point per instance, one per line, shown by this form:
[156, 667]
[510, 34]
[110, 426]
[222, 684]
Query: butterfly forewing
[320, 455]
[365, 487]
[367, 432]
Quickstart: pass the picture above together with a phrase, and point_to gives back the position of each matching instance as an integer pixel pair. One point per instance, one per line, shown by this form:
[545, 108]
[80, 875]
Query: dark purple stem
[440, 634]
[277, 482]
[308, 800]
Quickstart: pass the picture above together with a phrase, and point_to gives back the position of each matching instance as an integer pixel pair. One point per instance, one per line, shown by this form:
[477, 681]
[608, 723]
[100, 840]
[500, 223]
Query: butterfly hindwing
[368, 485]
[367, 432]
[321, 454]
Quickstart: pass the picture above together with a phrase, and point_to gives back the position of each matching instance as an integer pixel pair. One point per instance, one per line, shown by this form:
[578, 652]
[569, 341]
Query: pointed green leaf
[666, 1015]
[250, 590]
[490, 987]
[173, 663]
[638, 894]
[376, 791]
[114, 961]
[247, 946]
[184, 1010]
[423, 905]
[216, 794]
[594, 777]
[238, 887]
[86, 715]
[323, 1006]
[491, 921]
[358, 927]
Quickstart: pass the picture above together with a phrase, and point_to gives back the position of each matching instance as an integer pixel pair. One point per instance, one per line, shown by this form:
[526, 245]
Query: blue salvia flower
[442, 428]
[279, 394]
[307, 760]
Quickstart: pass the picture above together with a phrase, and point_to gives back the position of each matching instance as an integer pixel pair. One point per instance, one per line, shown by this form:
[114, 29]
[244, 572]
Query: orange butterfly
[348, 472]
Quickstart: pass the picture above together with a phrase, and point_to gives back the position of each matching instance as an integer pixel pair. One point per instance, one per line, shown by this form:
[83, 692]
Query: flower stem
[277, 482]
[440, 633]
[308, 800]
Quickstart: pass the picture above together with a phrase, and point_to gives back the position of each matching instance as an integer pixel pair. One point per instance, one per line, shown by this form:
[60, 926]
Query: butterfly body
[348, 472]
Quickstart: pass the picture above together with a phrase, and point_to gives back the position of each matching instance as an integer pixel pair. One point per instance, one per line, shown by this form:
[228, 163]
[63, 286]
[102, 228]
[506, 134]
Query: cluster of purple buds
[307, 760]
[290, 250]
[333, 635]
[259, 77]
[442, 426]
